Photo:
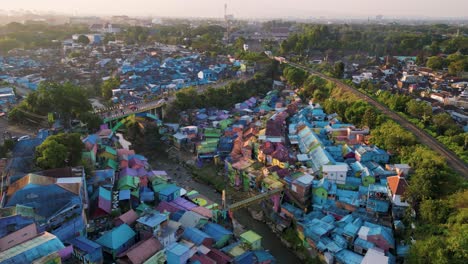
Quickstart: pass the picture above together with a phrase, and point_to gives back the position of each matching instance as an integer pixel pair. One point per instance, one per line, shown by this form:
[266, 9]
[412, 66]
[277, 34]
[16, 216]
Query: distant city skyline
[250, 8]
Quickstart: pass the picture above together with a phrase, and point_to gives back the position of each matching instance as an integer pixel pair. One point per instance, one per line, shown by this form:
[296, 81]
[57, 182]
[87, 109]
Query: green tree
[51, 154]
[419, 109]
[338, 69]
[239, 44]
[295, 77]
[107, 86]
[431, 250]
[444, 123]
[391, 136]
[457, 67]
[435, 63]
[82, 39]
[435, 211]
[73, 144]
[91, 120]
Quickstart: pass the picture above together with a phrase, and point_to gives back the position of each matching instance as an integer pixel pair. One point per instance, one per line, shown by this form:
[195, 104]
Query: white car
[24, 138]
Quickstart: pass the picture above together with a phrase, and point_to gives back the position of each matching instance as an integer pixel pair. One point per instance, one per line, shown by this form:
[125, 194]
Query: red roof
[397, 185]
[142, 251]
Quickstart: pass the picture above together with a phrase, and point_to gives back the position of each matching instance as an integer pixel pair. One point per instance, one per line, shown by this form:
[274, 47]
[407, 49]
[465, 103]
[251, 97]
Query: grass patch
[208, 174]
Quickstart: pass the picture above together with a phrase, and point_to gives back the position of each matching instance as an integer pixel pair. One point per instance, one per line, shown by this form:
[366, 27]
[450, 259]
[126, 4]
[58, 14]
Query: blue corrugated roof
[177, 249]
[264, 256]
[169, 190]
[246, 258]
[152, 220]
[216, 231]
[84, 244]
[195, 235]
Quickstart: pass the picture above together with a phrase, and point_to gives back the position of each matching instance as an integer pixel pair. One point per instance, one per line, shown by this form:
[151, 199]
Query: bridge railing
[119, 113]
[254, 199]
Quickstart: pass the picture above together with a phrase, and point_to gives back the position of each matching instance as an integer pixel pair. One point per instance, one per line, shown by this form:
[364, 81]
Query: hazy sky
[249, 8]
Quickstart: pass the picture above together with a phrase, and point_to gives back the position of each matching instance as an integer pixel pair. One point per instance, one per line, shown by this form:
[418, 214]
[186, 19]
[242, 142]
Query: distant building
[7, 96]
[89, 20]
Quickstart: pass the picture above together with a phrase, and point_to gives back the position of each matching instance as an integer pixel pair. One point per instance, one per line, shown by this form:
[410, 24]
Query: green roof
[112, 163]
[225, 123]
[212, 132]
[115, 238]
[127, 182]
[111, 150]
[250, 236]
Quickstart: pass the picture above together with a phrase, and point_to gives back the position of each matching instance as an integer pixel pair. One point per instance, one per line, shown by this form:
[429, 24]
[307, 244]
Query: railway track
[452, 159]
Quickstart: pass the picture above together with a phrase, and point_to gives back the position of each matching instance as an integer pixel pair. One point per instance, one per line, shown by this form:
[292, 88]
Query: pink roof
[129, 217]
[202, 211]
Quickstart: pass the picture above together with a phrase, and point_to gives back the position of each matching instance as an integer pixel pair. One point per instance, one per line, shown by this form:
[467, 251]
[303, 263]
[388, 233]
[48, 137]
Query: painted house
[177, 254]
[207, 75]
[379, 235]
[143, 251]
[335, 173]
[117, 240]
[31, 250]
[220, 234]
[54, 199]
[302, 186]
[252, 239]
[7, 96]
[322, 191]
[150, 223]
[197, 236]
[129, 218]
[128, 183]
[397, 186]
[377, 198]
[86, 250]
[15, 230]
[366, 153]
[169, 193]
[170, 233]
[108, 153]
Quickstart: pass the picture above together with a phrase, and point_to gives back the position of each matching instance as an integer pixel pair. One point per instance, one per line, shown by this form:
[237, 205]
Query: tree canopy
[108, 85]
[59, 151]
[67, 101]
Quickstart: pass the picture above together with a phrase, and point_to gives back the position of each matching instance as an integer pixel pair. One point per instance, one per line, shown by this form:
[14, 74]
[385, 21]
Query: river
[269, 239]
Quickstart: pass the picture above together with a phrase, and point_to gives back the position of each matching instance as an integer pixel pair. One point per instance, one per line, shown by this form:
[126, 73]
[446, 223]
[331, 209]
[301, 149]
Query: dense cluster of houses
[344, 197]
[121, 211]
[144, 71]
[440, 90]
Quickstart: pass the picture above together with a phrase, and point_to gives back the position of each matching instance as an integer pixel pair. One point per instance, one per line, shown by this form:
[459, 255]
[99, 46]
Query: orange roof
[397, 185]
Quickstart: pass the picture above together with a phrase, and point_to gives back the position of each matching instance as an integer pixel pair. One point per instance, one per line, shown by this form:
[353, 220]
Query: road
[15, 130]
[452, 159]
